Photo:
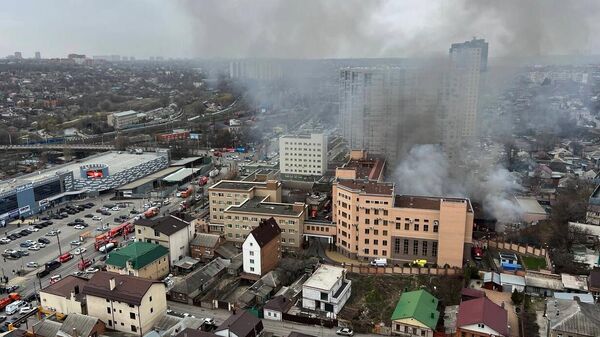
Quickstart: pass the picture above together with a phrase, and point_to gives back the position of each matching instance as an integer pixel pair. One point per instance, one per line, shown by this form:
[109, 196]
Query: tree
[517, 297]
[105, 105]
[121, 142]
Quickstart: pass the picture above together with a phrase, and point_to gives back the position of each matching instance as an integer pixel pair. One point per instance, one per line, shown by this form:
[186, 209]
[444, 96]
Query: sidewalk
[340, 258]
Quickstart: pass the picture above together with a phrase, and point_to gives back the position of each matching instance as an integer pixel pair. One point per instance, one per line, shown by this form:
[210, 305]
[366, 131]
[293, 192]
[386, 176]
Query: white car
[79, 227]
[33, 229]
[41, 245]
[115, 209]
[76, 243]
[26, 309]
[34, 247]
[345, 332]
[32, 264]
[53, 232]
[209, 321]
[91, 270]
[97, 218]
[5, 240]
[79, 251]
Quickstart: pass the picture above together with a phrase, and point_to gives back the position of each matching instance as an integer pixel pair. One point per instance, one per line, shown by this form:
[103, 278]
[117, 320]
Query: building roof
[129, 289]
[594, 279]
[257, 205]
[368, 187]
[483, 310]
[185, 161]
[470, 292]
[47, 328]
[265, 232]
[124, 113]
[180, 175]
[194, 280]
[240, 185]
[578, 318]
[585, 298]
[154, 176]
[206, 240]
[139, 254]
[167, 225]
[82, 324]
[543, 281]
[530, 205]
[187, 332]
[66, 286]
[503, 278]
[325, 277]
[576, 282]
[242, 324]
[420, 305]
[278, 303]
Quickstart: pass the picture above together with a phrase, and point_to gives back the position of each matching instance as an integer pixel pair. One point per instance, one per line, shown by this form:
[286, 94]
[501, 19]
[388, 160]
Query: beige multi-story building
[230, 192]
[64, 297]
[125, 303]
[304, 155]
[122, 119]
[141, 259]
[170, 232]
[373, 222]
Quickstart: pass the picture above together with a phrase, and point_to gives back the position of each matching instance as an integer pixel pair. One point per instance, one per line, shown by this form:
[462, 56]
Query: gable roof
[129, 289]
[205, 240]
[167, 225]
[187, 332]
[66, 286]
[572, 316]
[266, 231]
[242, 324]
[483, 310]
[419, 305]
[83, 324]
[278, 303]
[139, 254]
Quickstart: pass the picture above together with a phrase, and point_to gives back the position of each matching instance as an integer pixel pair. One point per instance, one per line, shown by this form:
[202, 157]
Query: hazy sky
[295, 28]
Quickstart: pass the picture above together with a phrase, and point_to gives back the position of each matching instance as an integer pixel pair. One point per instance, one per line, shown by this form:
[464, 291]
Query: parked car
[43, 240]
[32, 264]
[97, 218]
[79, 251]
[23, 252]
[88, 216]
[345, 332]
[79, 227]
[34, 247]
[76, 243]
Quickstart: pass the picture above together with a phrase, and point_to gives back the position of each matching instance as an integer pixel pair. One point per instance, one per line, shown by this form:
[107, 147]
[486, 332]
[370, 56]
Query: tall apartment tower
[461, 95]
[38, 55]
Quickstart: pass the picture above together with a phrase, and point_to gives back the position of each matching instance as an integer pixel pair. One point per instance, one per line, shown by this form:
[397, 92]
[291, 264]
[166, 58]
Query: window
[384, 242]
[367, 221]
[108, 310]
[398, 226]
[132, 315]
[426, 228]
[434, 249]
[149, 299]
[366, 231]
[251, 253]
[366, 241]
[156, 233]
[435, 228]
[151, 310]
[405, 248]
[375, 242]
[424, 248]
[416, 226]
[110, 322]
[396, 245]
[415, 247]
[385, 233]
[367, 211]
[406, 226]
[251, 268]
[366, 250]
[324, 296]
[252, 261]
[133, 328]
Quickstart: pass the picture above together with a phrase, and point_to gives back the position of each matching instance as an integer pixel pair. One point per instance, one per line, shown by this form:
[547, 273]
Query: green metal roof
[138, 253]
[419, 305]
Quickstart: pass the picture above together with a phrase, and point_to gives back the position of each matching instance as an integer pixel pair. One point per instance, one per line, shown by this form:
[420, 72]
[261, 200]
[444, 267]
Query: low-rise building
[327, 290]
[304, 155]
[142, 259]
[572, 318]
[240, 324]
[168, 231]
[481, 317]
[416, 314]
[203, 246]
[594, 283]
[125, 303]
[74, 325]
[123, 119]
[276, 307]
[65, 296]
[199, 280]
[262, 249]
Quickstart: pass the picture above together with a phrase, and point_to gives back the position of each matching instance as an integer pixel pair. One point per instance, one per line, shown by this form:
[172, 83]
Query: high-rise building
[38, 55]
[18, 55]
[256, 69]
[304, 155]
[461, 95]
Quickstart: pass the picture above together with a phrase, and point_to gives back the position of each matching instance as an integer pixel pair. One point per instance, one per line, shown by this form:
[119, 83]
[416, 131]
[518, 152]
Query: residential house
[169, 231]
[142, 259]
[262, 249]
[416, 314]
[542, 284]
[574, 283]
[125, 303]
[170, 325]
[65, 296]
[203, 246]
[503, 282]
[276, 307]
[74, 325]
[482, 318]
[594, 283]
[572, 318]
[189, 332]
[196, 282]
[240, 324]
[326, 290]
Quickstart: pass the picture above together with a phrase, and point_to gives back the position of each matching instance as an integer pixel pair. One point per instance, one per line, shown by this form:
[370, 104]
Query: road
[282, 328]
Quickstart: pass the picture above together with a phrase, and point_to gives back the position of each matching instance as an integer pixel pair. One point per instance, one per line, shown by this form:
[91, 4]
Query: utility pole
[58, 240]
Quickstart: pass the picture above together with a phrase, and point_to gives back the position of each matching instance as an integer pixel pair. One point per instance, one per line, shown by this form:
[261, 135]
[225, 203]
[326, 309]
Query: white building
[303, 154]
[326, 290]
[119, 120]
[261, 250]
[168, 231]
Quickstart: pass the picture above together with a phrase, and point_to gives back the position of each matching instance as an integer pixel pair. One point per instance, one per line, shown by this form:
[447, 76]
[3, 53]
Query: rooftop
[483, 310]
[421, 202]
[368, 187]
[185, 161]
[530, 205]
[205, 240]
[325, 277]
[420, 305]
[167, 225]
[266, 231]
[370, 168]
[239, 185]
[124, 113]
[154, 176]
[256, 205]
[180, 175]
[578, 318]
[66, 286]
[242, 323]
[129, 289]
[139, 254]
[577, 282]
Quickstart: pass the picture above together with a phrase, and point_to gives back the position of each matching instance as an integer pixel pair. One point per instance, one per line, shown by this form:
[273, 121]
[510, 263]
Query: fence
[365, 269]
[530, 250]
[327, 323]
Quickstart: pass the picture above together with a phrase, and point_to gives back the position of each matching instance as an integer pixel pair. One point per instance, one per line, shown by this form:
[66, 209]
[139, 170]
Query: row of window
[302, 143]
[415, 247]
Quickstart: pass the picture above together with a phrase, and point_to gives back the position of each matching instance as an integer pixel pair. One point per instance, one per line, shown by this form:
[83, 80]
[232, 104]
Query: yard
[533, 263]
[374, 297]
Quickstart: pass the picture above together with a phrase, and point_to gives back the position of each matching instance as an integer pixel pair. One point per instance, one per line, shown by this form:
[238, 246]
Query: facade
[169, 231]
[261, 250]
[65, 296]
[203, 246]
[230, 192]
[256, 69]
[327, 290]
[304, 155]
[243, 218]
[481, 317]
[276, 307]
[123, 119]
[415, 314]
[594, 283]
[125, 303]
[240, 324]
[141, 259]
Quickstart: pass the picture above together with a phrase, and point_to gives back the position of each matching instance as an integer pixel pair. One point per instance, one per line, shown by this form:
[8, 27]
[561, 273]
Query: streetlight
[58, 240]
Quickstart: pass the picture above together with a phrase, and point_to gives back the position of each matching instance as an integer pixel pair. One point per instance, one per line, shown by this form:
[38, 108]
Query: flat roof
[124, 113]
[530, 205]
[115, 161]
[369, 186]
[185, 161]
[154, 176]
[239, 185]
[255, 205]
[181, 174]
[325, 277]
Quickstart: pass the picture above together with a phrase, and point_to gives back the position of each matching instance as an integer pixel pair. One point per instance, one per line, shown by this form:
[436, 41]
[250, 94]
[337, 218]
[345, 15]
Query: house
[194, 283]
[74, 325]
[188, 332]
[169, 231]
[327, 290]
[240, 324]
[503, 282]
[542, 284]
[509, 261]
[141, 259]
[260, 291]
[169, 325]
[203, 246]
[594, 283]
[276, 307]
[470, 294]
[572, 318]
[125, 303]
[584, 298]
[416, 314]
[481, 317]
[262, 249]
[574, 283]
[65, 296]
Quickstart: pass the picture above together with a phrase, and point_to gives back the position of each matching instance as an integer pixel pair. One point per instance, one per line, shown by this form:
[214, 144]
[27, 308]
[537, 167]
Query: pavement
[341, 258]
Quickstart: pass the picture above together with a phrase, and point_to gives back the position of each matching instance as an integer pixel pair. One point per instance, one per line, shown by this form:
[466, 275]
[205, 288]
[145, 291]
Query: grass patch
[534, 263]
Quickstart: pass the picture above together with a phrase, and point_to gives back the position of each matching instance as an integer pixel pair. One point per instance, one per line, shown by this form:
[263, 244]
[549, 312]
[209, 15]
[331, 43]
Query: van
[65, 257]
[55, 278]
[14, 307]
[379, 263]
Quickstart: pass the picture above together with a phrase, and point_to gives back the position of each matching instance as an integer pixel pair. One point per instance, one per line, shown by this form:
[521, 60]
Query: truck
[83, 264]
[107, 247]
[151, 212]
[213, 173]
[8, 300]
[203, 181]
[186, 193]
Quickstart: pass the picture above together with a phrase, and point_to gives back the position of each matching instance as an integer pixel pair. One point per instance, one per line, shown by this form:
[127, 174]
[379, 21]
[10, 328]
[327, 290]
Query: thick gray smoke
[357, 28]
[425, 171]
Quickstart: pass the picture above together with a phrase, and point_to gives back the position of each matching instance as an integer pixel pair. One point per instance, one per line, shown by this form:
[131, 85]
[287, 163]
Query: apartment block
[120, 120]
[304, 155]
[168, 231]
[226, 193]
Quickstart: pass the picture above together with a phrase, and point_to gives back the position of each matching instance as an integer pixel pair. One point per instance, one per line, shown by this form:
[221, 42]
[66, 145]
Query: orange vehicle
[84, 264]
[186, 193]
[9, 299]
[152, 211]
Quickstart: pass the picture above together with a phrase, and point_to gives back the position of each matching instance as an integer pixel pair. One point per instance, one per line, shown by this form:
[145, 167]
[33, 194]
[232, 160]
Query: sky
[296, 28]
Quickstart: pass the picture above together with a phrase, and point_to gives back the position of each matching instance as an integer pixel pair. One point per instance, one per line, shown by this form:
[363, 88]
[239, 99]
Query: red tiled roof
[482, 310]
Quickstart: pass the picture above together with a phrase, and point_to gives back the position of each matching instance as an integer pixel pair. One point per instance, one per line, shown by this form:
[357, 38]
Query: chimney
[298, 207]
[112, 283]
[76, 290]
[502, 305]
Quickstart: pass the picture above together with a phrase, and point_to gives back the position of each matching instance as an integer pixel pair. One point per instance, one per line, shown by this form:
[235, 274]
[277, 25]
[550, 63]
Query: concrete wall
[60, 304]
